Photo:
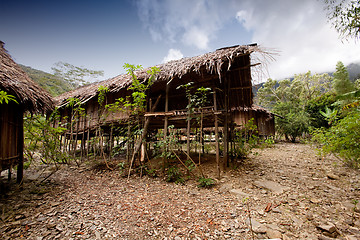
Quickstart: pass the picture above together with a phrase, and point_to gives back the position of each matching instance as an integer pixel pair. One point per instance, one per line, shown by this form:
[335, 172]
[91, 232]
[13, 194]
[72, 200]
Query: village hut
[226, 71]
[262, 118]
[29, 98]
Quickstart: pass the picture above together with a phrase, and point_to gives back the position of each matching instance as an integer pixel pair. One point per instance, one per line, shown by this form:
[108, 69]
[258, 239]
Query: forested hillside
[353, 70]
[53, 84]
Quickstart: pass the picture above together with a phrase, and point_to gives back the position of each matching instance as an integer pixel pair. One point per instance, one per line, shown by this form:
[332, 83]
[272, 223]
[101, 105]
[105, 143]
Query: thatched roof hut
[207, 66]
[226, 71]
[30, 98]
[16, 82]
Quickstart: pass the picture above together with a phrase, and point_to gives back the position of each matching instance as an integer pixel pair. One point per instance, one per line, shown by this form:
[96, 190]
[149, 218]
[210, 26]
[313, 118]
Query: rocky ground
[285, 192]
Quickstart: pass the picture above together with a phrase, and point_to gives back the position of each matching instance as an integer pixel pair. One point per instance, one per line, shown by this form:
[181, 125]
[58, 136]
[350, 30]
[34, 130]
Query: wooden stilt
[128, 142]
[188, 132]
[88, 140]
[20, 168]
[111, 141]
[226, 127]
[217, 149]
[166, 123]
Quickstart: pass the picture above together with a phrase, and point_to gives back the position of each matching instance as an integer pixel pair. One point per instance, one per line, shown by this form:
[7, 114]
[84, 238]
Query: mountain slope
[54, 85]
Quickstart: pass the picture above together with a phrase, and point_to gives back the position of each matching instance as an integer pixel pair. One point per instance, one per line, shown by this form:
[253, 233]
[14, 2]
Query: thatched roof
[212, 63]
[16, 82]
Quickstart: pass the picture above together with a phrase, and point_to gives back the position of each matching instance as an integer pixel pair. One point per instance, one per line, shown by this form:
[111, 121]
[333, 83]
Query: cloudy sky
[103, 35]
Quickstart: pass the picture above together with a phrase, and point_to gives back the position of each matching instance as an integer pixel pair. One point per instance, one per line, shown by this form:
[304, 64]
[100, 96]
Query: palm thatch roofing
[210, 63]
[16, 82]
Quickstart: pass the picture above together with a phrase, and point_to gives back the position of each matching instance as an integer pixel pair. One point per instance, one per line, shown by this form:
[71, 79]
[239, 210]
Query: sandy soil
[287, 190]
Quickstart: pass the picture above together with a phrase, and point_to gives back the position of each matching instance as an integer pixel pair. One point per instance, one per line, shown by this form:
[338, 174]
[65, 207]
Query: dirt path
[291, 193]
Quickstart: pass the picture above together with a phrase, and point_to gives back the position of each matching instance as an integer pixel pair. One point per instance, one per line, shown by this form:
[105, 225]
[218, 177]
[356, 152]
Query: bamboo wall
[11, 135]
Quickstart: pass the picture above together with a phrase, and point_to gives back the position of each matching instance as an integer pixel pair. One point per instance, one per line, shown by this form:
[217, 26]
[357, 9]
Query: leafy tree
[76, 76]
[342, 83]
[289, 98]
[322, 104]
[344, 15]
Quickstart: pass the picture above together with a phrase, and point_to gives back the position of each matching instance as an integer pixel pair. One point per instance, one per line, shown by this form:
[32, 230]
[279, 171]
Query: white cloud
[196, 37]
[300, 31]
[195, 23]
[173, 54]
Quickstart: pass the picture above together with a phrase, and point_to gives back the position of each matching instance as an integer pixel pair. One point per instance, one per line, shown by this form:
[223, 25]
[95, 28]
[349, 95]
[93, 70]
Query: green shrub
[206, 182]
[151, 172]
[246, 138]
[174, 175]
[342, 139]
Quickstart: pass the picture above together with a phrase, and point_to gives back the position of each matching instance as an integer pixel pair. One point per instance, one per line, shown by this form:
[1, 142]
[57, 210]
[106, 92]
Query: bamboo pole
[217, 149]
[188, 132]
[226, 127]
[88, 139]
[166, 122]
[128, 142]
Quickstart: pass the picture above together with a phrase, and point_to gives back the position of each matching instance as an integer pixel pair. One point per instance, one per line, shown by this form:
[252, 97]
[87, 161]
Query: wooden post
[128, 142]
[188, 132]
[111, 140]
[20, 168]
[83, 139]
[166, 121]
[226, 127]
[88, 139]
[216, 136]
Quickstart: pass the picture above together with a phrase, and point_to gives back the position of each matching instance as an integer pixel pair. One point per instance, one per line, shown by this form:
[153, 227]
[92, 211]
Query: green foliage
[102, 94]
[344, 15]
[121, 167]
[294, 123]
[200, 98]
[42, 140]
[330, 114]
[190, 165]
[206, 182]
[342, 139]
[165, 146]
[55, 85]
[6, 98]
[269, 142]
[151, 172]
[342, 83]
[245, 139]
[75, 76]
[292, 100]
[173, 174]
[316, 108]
[138, 101]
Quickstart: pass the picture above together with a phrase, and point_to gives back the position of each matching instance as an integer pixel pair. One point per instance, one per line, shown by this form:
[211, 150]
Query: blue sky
[103, 35]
